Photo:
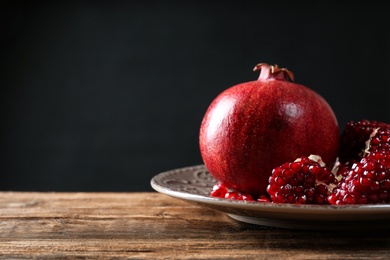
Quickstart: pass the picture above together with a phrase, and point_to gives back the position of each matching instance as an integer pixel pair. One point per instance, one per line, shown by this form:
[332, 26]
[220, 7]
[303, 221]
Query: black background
[101, 96]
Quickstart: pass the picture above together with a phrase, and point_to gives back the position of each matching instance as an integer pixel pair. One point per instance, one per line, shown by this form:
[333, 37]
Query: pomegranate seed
[246, 197]
[263, 198]
[219, 191]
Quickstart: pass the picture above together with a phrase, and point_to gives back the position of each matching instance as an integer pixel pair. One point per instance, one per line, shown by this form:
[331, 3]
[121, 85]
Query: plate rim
[341, 209]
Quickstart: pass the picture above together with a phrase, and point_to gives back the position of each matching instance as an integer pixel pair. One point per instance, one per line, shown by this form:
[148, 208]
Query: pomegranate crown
[273, 72]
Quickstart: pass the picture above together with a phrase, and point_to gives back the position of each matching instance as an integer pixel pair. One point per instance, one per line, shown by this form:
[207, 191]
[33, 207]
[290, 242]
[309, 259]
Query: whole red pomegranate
[255, 126]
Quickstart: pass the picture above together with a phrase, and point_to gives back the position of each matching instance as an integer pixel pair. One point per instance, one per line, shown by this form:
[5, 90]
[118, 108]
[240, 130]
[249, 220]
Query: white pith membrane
[366, 151]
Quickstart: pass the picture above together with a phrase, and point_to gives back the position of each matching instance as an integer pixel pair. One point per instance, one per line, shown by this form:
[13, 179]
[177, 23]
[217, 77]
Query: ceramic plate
[193, 184]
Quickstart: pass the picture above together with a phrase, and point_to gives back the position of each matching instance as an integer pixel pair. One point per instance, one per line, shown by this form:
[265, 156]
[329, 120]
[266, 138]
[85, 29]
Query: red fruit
[367, 182]
[354, 137]
[264, 198]
[366, 146]
[235, 195]
[220, 191]
[304, 181]
[253, 127]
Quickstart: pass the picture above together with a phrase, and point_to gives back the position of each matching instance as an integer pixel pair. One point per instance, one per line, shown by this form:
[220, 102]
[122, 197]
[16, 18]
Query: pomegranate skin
[255, 126]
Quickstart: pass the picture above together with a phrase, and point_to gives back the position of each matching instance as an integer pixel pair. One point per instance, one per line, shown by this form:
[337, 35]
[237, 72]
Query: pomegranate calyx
[268, 72]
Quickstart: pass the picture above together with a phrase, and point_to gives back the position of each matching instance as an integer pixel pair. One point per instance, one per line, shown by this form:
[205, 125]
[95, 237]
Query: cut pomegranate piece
[305, 181]
[367, 182]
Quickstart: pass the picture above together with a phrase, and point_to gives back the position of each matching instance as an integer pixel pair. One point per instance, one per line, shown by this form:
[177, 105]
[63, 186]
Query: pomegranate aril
[301, 199]
[315, 169]
[290, 198]
[321, 199]
[246, 197]
[219, 191]
[232, 195]
[263, 198]
[365, 182]
[295, 166]
[385, 184]
[350, 199]
[280, 181]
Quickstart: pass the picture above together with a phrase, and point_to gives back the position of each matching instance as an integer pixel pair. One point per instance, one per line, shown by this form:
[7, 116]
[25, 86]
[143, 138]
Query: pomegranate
[364, 167]
[304, 181]
[366, 182]
[253, 127]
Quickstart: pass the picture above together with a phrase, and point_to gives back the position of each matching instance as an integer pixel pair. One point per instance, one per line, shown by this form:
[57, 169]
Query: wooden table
[154, 226]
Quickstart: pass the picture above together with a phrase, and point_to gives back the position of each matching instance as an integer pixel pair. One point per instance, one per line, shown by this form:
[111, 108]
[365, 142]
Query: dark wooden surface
[153, 226]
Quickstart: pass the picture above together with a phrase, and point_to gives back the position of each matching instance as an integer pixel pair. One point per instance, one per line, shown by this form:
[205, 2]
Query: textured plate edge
[383, 208]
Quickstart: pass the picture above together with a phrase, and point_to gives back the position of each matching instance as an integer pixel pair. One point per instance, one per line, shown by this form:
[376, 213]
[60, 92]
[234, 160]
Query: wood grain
[155, 226]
